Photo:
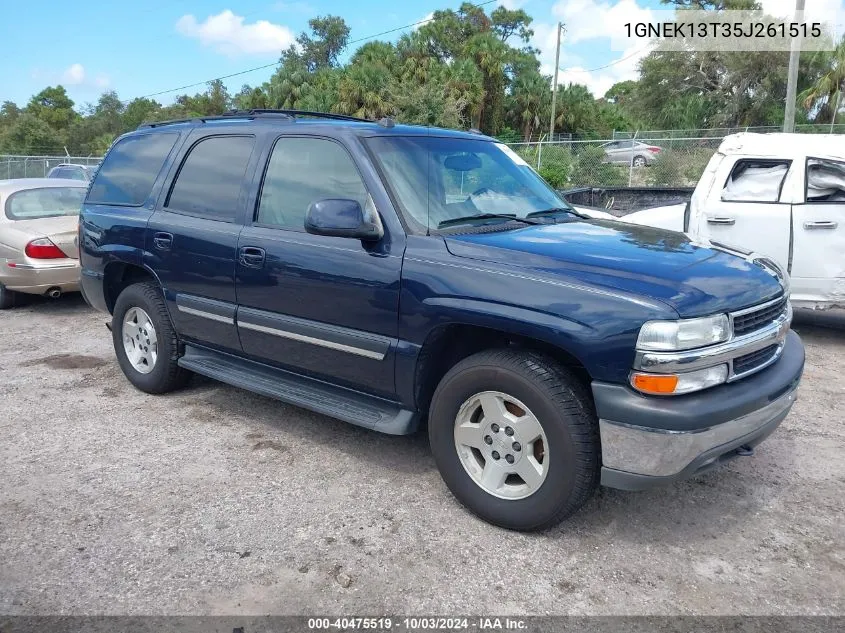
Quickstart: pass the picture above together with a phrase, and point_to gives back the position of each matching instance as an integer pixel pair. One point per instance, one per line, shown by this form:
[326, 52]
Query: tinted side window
[302, 171]
[210, 179]
[128, 172]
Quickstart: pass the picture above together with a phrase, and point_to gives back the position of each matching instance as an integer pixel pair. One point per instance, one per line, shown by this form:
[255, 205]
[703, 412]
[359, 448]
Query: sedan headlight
[665, 336]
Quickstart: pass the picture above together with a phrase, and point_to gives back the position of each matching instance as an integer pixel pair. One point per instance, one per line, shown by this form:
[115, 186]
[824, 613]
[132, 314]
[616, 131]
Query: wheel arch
[448, 344]
[119, 275]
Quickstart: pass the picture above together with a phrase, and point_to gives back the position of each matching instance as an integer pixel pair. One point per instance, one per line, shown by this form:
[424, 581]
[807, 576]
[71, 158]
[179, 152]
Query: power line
[264, 66]
[618, 61]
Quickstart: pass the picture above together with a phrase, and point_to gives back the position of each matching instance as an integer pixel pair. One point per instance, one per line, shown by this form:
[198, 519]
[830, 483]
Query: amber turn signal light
[650, 383]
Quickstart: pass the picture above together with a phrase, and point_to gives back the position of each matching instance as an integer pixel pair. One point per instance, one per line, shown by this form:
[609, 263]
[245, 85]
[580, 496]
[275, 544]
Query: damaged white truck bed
[781, 196]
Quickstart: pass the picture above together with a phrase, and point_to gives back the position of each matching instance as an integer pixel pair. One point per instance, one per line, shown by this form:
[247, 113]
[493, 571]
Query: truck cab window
[755, 181]
[825, 180]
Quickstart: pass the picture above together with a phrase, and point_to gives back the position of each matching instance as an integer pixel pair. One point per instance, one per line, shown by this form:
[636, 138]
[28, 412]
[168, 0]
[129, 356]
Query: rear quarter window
[130, 169]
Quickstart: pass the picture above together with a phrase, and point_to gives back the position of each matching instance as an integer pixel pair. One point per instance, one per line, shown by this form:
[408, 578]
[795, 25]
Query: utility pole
[792, 73]
[560, 28]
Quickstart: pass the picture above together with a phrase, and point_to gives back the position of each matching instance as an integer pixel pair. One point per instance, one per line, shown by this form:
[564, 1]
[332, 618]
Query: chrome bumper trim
[43, 266]
[723, 353]
[662, 453]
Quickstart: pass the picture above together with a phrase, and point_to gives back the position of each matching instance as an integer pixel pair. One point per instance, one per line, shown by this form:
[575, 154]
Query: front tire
[515, 437]
[145, 342]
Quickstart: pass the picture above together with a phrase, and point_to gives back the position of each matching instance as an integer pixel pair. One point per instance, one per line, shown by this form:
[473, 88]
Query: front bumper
[649, 441]
[37, 278]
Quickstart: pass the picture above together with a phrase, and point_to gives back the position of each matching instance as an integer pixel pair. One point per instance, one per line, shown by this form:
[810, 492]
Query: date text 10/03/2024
[418, 623]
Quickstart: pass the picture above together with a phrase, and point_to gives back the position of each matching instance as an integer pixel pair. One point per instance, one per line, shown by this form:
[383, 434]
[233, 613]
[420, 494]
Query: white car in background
[779, 196]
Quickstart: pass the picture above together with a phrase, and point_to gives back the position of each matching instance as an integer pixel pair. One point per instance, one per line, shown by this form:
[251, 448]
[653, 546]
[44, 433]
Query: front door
[818, 254]
[743, 208]
[192, 239]
[324, 306]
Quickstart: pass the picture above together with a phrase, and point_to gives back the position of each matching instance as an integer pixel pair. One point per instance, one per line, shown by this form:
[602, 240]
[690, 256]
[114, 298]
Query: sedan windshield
[47, 202]
[442, 182]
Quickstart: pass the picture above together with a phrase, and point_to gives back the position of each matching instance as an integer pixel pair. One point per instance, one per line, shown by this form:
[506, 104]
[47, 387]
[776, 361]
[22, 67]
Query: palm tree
[529, 102]
[490, 55]
[826, 92]
[575, 109]
[364, 91]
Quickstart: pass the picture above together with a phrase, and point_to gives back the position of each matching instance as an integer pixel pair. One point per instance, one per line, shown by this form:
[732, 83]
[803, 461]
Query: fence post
[631, 162]
[540, 150]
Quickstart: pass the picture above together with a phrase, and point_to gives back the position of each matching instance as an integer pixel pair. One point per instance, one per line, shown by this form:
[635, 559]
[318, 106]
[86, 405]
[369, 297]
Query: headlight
[676, 384]
[685, 334]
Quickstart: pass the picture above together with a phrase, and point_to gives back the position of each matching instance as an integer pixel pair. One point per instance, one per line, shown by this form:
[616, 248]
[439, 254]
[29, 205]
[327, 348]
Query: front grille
[752, 361]
[756, 319]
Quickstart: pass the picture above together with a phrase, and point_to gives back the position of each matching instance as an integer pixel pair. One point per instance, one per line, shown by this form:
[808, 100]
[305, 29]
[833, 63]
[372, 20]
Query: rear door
[744, 207]
[192, 238]
[818, 224]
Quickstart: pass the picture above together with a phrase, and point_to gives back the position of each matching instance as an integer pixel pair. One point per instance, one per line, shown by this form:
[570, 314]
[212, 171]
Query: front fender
[595, 326]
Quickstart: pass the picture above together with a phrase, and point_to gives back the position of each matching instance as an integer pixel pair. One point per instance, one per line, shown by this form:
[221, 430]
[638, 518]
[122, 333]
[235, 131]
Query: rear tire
[529, 388]
[145, 342]
[640, 161]
[8, 299]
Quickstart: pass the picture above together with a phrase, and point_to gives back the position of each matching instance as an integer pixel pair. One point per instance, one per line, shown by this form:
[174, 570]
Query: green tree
[326, 42]
[31, 135]
[139, 111]
[822, 96]
[53, 106]
[529, 102]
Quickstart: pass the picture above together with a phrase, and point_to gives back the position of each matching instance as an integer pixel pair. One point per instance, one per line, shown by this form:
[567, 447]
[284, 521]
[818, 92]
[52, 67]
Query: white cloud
[74, 75]
[591, 20]
[227, 33]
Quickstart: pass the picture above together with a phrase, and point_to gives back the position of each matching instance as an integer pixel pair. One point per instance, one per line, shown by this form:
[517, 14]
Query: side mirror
[339, 217]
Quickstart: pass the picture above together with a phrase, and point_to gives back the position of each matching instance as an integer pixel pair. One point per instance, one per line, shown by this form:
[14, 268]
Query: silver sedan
[633, 153]
[38, 228]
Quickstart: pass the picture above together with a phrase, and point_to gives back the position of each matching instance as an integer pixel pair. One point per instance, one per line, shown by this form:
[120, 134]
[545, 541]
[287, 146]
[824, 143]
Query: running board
[344, 404]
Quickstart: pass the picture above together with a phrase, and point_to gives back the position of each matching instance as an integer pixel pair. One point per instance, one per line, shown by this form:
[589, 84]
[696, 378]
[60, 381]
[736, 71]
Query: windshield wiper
[555, 211]
[485, 216]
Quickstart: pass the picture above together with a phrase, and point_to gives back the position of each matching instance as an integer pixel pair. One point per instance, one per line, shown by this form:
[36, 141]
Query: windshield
[463, 178]
[30, 204]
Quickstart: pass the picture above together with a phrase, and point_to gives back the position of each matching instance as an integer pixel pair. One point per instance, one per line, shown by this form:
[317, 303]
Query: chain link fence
[651, 162]
[802, 128]
[13, 166]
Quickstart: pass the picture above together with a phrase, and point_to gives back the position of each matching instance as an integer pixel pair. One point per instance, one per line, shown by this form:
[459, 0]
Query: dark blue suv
[389, 276]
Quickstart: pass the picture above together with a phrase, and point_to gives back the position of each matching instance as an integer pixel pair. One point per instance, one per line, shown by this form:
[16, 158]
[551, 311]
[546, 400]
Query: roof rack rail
[256, 113]
[296, 113]
[187, 120]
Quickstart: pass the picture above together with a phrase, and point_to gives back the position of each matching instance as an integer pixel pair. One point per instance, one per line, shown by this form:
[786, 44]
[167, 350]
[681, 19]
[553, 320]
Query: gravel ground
[217, 501]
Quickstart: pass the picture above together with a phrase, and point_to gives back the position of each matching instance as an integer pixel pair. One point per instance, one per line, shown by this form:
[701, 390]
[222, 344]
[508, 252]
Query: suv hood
[693, 279]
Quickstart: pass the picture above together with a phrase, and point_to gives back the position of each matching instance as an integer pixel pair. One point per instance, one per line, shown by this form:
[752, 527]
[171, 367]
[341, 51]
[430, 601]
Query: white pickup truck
[777, 195]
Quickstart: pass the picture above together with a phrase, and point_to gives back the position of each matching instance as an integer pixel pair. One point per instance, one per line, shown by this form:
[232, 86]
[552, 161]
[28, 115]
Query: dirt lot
[217, 501]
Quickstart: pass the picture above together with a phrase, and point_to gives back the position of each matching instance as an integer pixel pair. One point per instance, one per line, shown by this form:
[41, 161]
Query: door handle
[251, 257]
[726, 221]
[163, 241]
[821, 224]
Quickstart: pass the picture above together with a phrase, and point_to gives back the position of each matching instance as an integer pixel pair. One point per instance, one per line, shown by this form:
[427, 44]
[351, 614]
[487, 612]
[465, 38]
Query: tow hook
[745, 451]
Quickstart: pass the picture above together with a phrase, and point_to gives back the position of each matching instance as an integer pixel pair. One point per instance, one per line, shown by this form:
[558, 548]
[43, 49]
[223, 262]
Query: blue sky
[141, 48]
